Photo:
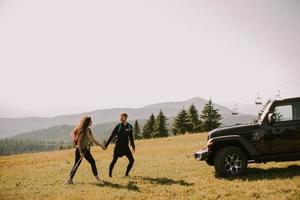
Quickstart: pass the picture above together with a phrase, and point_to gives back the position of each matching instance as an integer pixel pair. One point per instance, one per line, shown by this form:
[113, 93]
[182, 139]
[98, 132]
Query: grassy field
[164, 169]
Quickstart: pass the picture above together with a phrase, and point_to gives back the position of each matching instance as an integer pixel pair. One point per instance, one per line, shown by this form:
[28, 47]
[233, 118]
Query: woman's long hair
[83, 125]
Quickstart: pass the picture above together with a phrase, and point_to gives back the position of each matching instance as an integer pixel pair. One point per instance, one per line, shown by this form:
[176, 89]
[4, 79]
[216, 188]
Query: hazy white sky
[60, 57]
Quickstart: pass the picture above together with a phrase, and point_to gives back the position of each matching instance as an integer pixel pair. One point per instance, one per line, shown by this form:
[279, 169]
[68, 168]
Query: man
[123, 134]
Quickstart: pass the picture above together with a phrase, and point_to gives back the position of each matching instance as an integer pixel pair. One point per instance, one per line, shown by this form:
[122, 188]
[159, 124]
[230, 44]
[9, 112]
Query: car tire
[230, 162]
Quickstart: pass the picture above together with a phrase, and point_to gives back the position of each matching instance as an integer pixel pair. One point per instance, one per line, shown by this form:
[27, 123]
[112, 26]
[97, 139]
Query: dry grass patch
[164, 169]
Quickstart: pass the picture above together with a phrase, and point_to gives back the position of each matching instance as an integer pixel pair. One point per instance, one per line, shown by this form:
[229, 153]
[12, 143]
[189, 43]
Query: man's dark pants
[120, 152]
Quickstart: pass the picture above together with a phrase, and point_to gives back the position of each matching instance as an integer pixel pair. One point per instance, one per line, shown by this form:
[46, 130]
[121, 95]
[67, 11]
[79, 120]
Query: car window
[296, 111]
[284, 113]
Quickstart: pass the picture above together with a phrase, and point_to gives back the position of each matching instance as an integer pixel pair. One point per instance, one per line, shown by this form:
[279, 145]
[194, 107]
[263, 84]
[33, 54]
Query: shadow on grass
[253, 174]
[164, 181]
[130, 186]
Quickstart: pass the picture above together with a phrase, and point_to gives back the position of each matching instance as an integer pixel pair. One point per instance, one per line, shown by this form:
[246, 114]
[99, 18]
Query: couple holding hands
[83, 139]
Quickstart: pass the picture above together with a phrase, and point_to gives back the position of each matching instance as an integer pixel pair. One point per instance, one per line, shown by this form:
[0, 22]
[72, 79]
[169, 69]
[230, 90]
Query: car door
[284, 134]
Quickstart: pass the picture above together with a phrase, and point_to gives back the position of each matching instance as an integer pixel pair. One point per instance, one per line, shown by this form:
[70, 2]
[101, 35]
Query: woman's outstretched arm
[96, 142]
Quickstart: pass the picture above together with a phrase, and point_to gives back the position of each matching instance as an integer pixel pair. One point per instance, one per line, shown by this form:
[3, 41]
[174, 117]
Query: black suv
[276, 137]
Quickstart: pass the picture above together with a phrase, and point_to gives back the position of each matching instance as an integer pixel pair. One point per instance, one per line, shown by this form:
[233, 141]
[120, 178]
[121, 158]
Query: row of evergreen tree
[186, 121]
[11, 146]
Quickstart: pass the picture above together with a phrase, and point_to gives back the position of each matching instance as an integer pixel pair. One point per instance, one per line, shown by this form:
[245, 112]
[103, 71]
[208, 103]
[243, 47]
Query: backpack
[119, 127]
[74, 136]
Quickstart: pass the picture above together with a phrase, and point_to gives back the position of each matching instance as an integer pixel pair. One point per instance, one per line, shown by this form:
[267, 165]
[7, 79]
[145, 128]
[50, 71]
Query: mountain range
[10, 127]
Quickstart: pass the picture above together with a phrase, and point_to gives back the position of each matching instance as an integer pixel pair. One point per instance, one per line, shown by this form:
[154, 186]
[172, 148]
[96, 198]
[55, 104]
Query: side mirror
[272, 118]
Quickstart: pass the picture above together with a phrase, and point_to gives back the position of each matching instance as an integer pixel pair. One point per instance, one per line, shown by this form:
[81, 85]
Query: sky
[63, 57]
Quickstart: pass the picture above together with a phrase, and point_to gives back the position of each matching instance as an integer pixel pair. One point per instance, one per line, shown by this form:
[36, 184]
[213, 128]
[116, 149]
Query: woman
[85, 139]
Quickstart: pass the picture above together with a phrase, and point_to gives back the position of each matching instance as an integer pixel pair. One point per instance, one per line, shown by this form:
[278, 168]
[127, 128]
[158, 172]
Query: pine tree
[148, 129]
[136, 130]
[161, 129]
[196, 123]
[181, 123]
[210, 117]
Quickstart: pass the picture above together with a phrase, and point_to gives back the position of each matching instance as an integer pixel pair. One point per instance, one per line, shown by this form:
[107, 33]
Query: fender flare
[248, 146]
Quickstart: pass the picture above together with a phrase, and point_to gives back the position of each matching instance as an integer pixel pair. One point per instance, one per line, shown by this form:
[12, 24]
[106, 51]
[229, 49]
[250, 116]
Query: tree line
[186, 121]
[11, 146]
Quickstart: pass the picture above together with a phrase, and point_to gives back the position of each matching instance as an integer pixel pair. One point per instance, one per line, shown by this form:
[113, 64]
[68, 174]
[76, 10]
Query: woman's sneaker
[69, 181]
[99, 181]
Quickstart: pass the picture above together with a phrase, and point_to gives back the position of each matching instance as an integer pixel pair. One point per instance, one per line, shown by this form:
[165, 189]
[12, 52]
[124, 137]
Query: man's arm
[113, 134]
[131, 140]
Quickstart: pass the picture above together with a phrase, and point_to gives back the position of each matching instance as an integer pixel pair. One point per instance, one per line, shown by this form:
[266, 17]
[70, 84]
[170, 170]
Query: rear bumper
[202, 154]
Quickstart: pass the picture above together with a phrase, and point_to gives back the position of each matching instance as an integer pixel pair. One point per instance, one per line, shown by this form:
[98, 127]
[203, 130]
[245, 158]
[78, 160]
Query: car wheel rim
[233, 164]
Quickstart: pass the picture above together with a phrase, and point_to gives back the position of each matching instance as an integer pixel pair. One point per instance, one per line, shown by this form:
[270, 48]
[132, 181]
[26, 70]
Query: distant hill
[57, 136]
[10, 127]
[52, 138]
[62, 133]
[250, 109]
